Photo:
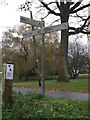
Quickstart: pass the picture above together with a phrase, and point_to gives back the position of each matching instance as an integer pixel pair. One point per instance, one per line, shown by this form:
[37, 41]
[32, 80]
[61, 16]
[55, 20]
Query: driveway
[56, 94]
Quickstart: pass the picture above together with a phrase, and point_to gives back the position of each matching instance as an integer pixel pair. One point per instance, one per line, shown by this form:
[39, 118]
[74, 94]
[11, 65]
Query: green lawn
[83, 76]
[80, 85]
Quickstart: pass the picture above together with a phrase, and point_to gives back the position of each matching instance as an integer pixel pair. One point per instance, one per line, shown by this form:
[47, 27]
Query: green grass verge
[79, 85]
[83, 76]
[55, 77]
[33, 106]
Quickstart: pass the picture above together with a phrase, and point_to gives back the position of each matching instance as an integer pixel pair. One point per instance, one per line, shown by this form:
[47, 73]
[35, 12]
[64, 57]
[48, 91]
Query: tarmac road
[56, 94]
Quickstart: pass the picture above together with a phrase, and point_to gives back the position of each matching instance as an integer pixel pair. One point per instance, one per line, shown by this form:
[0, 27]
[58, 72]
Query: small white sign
[9, 71]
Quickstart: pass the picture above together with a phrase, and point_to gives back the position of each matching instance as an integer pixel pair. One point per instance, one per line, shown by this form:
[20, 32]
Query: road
[57, 94]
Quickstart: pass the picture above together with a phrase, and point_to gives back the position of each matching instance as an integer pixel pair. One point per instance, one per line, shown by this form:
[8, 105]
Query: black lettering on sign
[9, 74]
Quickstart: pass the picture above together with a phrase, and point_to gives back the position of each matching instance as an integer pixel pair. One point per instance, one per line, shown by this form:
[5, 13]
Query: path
[57, 94]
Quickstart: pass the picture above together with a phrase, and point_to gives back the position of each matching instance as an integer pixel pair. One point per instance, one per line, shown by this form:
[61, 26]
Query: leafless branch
[51, 3]
[46, 16]
[79, 9]
[75, 6]
[55, 21]
[80, 16]
[49, 9]
[58, 5]
[80, 29]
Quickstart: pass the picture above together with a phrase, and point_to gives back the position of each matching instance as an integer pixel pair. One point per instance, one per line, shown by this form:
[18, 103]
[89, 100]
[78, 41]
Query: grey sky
[10, 16]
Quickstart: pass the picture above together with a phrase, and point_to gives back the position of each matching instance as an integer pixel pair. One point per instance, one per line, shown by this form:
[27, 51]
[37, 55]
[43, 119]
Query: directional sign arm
[56, 27]
[46, 30]
[31, 21]
[32, 33]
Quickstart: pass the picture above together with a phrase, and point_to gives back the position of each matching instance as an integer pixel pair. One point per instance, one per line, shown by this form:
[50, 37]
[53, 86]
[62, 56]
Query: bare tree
[66, 9]
[78, 58]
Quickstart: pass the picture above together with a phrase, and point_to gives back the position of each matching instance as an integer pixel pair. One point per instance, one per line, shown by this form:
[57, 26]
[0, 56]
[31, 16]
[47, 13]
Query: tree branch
[81, 8]
[58, 5]
[51, 3]
[80, 16]
[55, 21]
[79, 29]
[50, 11]
[75, 6]
[82, 27]
[46, 15]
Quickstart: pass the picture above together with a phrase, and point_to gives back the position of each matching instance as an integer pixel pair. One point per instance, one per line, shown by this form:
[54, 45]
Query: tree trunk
[63, 68]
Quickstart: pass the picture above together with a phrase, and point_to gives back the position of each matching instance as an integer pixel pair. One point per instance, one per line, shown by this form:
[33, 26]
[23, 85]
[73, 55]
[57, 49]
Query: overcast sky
[10, 16]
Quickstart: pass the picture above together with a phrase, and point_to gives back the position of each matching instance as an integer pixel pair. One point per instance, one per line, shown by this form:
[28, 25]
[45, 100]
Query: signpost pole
[43, 59]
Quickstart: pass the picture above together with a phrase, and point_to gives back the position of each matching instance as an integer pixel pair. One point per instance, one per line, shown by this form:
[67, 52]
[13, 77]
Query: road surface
[56, 94]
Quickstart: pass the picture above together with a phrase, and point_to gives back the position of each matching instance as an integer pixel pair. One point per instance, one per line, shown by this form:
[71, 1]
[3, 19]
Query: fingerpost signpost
[41, 31]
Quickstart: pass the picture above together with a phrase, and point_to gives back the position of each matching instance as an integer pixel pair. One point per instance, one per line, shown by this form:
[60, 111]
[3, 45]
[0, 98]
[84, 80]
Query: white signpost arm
[46, 30]
[32, 33]
[30, 21]
[56, 27]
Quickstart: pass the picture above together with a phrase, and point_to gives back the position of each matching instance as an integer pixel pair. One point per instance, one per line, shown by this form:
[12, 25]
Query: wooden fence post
[7, 83]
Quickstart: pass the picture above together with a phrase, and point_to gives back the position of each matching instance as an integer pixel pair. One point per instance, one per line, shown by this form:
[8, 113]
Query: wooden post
[7, 83]
[7, 92]
[3, 80]
[43, 59]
